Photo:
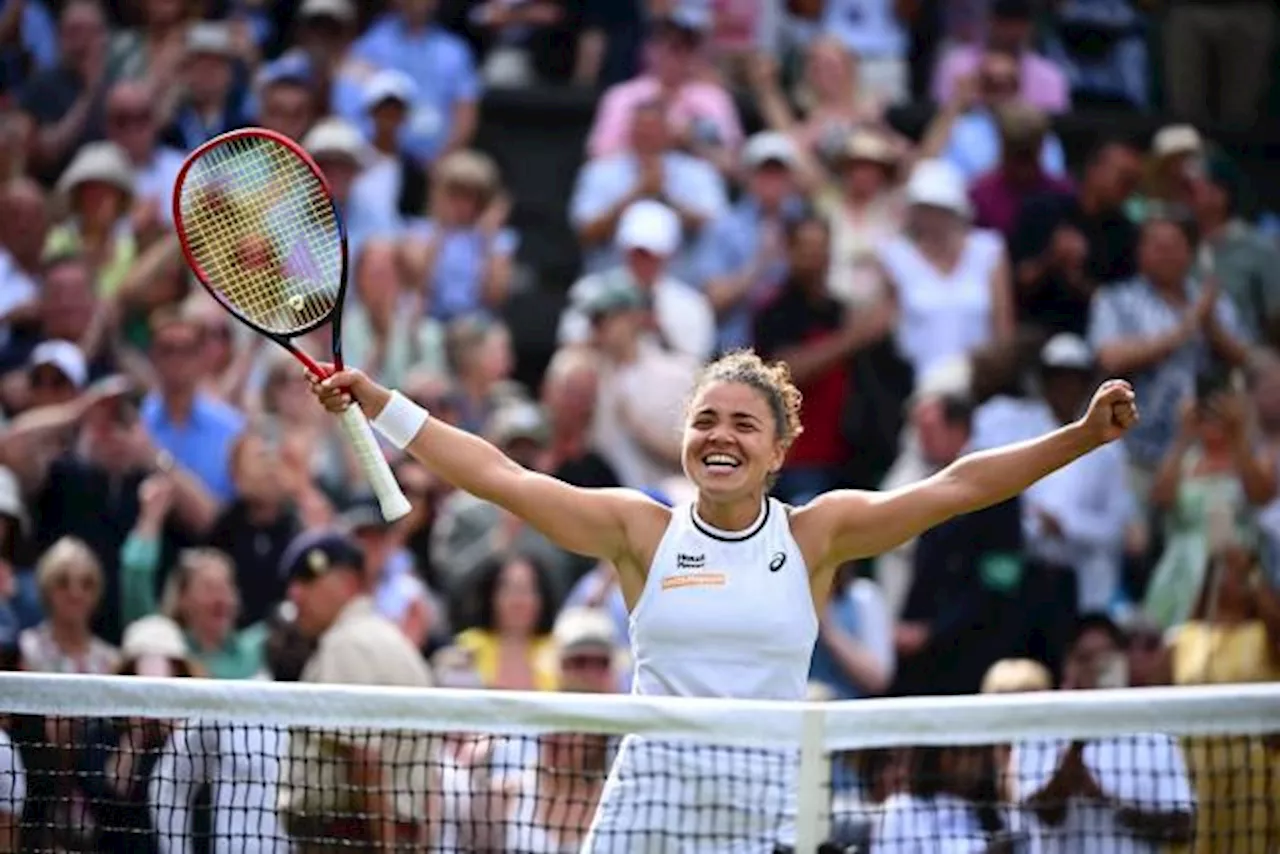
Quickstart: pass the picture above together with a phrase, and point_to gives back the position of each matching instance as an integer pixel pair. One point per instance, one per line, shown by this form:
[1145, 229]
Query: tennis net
[130, 764]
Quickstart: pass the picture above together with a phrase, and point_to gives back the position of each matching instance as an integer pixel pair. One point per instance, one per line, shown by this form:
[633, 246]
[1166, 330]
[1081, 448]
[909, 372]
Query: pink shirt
[1043, 84]
[612, 129]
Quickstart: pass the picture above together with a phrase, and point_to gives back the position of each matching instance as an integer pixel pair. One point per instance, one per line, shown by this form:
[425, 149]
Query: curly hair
[771, 379]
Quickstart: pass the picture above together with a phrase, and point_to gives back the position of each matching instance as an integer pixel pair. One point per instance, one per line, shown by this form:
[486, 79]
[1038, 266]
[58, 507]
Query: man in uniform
[352, 790]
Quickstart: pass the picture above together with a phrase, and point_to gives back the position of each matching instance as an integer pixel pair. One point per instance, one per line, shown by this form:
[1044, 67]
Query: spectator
[647, 236]
[1101, 47]
[342, 154]
[1207, 44]
[1174, 165]
[153, 52]
[446, 108]
[471, 531]
[286, 102]
[1246, 263]
[24, 226]
[643, 389]
[394, 180]
[835, 104]
[323, 35]
[854, 656]
[338, 797]
[963, 610]
[131, 125]
[589, 660]
[64, 102]
[463, 253]
[1130, 793]
[513, 610]
[99, 188]
[256, 526]
[1066, 246]
[867, 213]
[200, 597]
[1037, 80]
[521, 41]
[951, 280]
[1162, 329]
[741, 257]
[965, 131]
[652, 169]
[479, 355]
[873, 32]
[999, 195]
[1232, 637]
[699, 113]
[1076, 517]
[1211, 471]
[71, 586]
[214, 99]
[196, 429]
[570, 394]
[817, 337]
[19, 590]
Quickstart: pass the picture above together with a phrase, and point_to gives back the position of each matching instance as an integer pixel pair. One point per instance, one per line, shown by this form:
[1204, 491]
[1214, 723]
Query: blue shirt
[442, 69]
[203, 444]
[455, 280]
[974, 147]
[687, 181]
[727, 247]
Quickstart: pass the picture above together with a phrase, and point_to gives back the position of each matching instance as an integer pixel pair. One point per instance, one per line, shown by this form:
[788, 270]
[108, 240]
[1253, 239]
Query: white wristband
[400, 420]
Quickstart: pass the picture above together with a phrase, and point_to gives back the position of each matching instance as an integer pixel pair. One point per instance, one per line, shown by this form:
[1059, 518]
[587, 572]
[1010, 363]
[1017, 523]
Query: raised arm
[591, 522]
[846, 525]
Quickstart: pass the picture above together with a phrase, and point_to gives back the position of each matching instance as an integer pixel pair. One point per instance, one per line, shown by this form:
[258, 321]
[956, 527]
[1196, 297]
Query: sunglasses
[82, 582]
[586, 662]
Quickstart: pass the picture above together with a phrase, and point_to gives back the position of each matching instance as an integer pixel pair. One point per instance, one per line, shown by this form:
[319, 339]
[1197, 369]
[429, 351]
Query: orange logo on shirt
[695, 579]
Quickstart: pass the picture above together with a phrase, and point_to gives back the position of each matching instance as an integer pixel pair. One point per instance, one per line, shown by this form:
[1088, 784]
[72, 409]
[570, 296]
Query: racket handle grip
[390, 498]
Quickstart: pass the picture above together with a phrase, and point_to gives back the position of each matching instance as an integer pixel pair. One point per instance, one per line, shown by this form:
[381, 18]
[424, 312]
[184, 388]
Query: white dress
[722, 614]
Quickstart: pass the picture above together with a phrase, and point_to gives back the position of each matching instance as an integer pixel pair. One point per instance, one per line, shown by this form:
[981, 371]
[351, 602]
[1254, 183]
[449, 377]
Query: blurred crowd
[932, 296]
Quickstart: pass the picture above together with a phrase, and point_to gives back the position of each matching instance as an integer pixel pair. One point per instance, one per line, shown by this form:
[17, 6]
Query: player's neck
[735, 515]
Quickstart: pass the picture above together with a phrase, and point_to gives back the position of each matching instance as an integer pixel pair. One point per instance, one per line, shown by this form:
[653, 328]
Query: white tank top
[725, 613]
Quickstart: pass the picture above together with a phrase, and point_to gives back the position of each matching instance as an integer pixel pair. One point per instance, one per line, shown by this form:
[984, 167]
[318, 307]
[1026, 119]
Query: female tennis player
[724, 592]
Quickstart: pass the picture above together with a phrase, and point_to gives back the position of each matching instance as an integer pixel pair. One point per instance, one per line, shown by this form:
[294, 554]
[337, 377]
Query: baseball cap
[612, 297]
[292, 67]
[335, 136]
[868, 146]
[65, 357]
[1067, 352]
[583, 628]
[210, 37]
[363, 515]
[938, 184]
[518, 420]
[1177, 139]
[389, 85]
[154, 635]
[316, 553]
[692, 16]
[339, 10]
[769, 147]
[651, 226]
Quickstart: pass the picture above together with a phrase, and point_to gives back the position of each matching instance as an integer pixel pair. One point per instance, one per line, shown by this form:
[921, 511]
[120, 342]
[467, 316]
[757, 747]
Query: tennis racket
[260, 229]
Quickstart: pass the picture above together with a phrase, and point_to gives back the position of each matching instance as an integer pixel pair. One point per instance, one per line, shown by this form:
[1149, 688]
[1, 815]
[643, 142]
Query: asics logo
[779, 558]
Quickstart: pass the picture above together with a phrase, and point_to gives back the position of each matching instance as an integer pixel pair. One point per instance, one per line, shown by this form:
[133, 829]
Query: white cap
[579, 627]
[517, 420]
[938, 184]
[769, 147]
[154, 635]
[651, 226]
[1067, 351]
[340, 10]
[1177, 139]
[99, 161]
[389, 85]
[210, 37]
[335, 136]
[64, 356]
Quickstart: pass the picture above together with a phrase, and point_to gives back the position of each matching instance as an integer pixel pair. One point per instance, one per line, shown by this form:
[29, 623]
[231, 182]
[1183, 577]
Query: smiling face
[731, 443]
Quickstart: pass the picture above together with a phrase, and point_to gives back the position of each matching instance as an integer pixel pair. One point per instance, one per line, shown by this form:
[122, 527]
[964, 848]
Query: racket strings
[263, 230]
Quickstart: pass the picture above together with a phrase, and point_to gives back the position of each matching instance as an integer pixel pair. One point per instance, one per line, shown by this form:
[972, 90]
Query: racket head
[260, 229]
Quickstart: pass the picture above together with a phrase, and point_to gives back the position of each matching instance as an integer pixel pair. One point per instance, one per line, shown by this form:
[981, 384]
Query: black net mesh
[201, 785]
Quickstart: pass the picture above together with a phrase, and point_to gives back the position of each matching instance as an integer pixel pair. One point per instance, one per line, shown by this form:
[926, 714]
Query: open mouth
[721, 462]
